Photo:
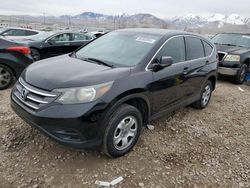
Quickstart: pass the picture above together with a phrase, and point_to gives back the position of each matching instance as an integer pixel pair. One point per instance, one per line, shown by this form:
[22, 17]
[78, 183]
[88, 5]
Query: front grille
[221, 56]
[32, 97]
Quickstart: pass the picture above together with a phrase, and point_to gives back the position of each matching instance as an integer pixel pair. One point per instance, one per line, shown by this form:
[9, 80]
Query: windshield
[119, 48]
[42, 36]
[232, 39]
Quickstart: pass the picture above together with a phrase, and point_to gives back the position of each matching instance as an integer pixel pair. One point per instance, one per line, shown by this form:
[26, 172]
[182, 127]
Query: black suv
[102, 95]
[234, 55]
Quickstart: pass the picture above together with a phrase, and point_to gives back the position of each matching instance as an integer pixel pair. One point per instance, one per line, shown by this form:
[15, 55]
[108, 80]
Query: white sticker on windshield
[147, 40]
[246, 36]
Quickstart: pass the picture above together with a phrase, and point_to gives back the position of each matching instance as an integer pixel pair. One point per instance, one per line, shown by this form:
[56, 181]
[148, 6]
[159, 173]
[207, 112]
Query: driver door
[170, 86]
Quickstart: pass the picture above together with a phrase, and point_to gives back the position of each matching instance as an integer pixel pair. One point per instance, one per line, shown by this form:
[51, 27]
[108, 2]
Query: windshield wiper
[98, 62]
[73, 54]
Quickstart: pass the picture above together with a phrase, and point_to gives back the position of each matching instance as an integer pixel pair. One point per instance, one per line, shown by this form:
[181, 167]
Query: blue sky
[160, 8]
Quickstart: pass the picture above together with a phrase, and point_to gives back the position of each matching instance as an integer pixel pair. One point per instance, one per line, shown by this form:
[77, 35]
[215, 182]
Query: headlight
[83, 94]
[232, 58]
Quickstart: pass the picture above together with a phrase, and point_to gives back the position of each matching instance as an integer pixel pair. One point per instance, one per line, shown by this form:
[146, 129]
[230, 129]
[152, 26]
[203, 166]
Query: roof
[154, 31]
[238, 33]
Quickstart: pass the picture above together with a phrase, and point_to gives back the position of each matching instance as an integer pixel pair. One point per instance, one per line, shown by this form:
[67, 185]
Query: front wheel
[123, 131]
[205, 96]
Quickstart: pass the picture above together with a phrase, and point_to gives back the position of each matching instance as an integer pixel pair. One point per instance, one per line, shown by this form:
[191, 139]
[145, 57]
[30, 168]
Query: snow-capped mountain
[235, 19]
[124, 18]
[191, 20]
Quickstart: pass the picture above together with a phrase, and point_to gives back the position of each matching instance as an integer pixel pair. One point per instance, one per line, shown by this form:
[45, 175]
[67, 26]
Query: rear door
[170, 86]
[79, 39]
[197, 60]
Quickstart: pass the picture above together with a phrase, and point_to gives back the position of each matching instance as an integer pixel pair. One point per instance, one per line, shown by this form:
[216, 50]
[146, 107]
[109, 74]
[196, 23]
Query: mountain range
[200, 21]
[189, 20]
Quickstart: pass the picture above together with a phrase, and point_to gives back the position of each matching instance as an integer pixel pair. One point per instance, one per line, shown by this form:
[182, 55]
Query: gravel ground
[191, 148]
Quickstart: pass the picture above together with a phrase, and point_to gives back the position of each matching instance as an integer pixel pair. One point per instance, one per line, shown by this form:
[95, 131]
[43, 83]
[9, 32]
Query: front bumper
[228, 71]
[77, 131]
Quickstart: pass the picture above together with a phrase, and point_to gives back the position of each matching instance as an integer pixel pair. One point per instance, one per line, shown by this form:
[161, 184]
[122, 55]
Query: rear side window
[195, 49]
[208, 48]
[29, 33]
[80, 37]
[64, 37]
[174, 48]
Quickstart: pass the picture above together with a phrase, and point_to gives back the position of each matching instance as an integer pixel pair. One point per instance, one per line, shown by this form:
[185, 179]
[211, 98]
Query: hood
[232, 49]
[66, 72]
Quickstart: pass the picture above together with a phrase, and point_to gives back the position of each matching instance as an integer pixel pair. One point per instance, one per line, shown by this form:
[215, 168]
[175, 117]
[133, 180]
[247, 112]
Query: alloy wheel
[35, 55]
[206, 95]
[5, 77]
[243, 75]
[125, 133]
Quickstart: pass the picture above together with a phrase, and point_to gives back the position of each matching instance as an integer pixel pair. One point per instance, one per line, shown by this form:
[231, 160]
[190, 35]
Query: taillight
[22, 49]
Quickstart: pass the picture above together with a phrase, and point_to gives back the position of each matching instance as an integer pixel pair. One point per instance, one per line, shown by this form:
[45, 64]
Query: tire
[125, 121]
[241, 75]
[6, 77]
[35, 54]
[205, 96]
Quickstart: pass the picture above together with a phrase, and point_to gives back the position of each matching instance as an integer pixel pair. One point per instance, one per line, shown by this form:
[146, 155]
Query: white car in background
[19, 33]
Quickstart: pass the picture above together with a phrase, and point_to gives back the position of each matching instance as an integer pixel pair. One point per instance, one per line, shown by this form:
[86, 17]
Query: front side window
[175, 48]
[120, 48]
[65, 37]
[194, 48]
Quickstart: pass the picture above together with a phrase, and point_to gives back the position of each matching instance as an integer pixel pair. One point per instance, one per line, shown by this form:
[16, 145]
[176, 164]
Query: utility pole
[69, 22]
[44, 18]
[10, 21]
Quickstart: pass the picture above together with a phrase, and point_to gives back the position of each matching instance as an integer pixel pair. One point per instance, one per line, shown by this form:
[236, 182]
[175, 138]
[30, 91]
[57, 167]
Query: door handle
[186, 70]
[67, 44]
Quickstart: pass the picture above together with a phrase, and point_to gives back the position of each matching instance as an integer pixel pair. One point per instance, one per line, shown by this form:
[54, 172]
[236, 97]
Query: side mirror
[5, 34]
[165, 61]
[51, 42]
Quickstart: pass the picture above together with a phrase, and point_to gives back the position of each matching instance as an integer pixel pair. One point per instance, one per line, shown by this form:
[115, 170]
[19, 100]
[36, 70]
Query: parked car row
[20, 47]
[103, 91]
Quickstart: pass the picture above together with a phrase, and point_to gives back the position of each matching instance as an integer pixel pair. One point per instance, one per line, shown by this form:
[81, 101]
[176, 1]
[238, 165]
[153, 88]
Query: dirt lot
[208, 148]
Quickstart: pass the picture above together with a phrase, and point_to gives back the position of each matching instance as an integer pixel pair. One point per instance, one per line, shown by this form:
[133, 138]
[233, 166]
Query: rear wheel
[35, 54]
[6, 77]
[240, 77]
[123, 131]
[205, 96]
